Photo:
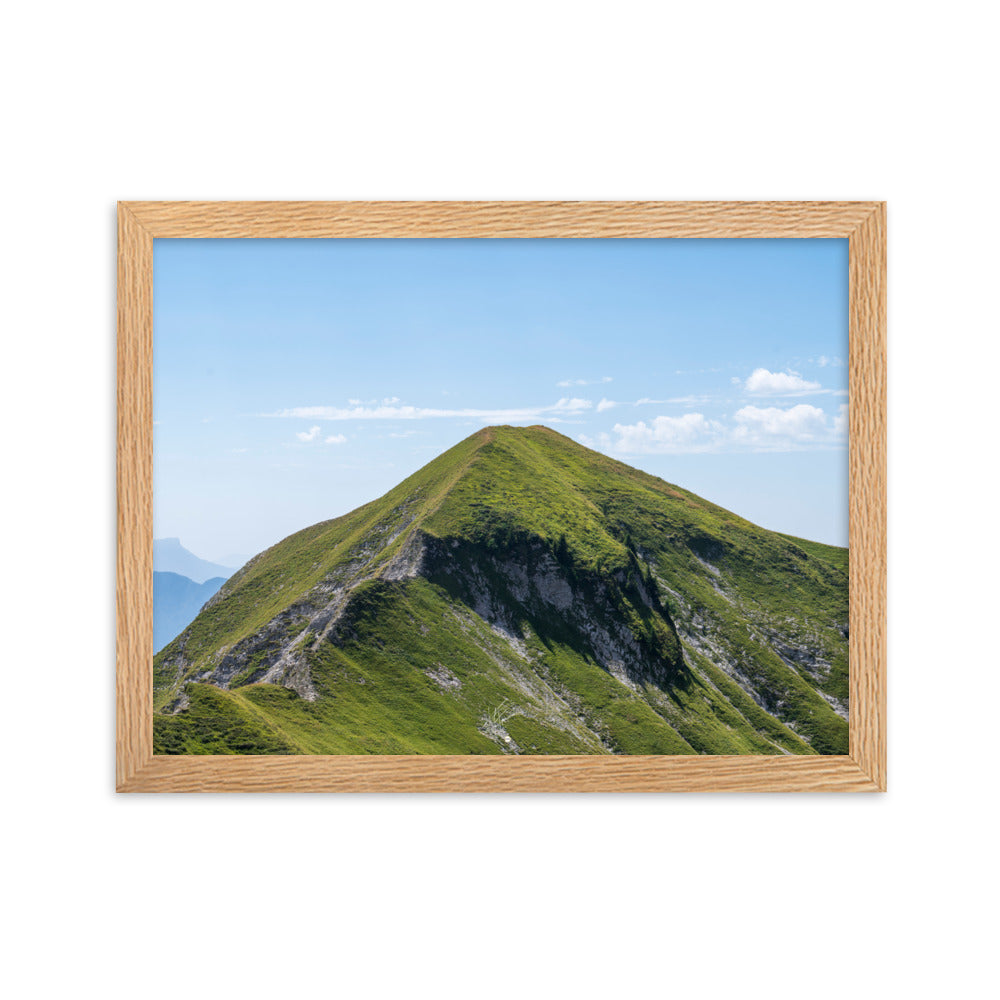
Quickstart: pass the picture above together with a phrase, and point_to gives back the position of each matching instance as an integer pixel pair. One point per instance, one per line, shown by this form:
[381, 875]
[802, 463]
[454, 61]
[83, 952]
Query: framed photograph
[509, 496]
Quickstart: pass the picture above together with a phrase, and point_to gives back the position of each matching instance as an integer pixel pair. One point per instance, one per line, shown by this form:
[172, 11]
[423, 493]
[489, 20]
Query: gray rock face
[794, 647]
[276, 654]
[500, 588]
[528, 582]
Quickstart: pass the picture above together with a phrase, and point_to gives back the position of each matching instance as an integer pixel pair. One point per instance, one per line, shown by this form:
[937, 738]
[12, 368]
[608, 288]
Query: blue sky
[297, 379]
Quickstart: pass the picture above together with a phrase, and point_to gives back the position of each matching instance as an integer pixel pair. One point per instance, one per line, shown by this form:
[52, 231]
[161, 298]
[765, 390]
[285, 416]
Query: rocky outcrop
[278, 652]
[618, 620]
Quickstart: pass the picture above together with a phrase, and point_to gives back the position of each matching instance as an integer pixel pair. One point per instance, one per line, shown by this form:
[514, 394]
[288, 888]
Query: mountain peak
[511, 432]
[520, 593]
[518, 430]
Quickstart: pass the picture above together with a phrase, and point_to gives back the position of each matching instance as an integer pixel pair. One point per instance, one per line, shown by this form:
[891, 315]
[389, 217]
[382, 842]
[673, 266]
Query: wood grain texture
[867, 467]
[862, 223]
[134, 477]
[465, 219]
[501, 774]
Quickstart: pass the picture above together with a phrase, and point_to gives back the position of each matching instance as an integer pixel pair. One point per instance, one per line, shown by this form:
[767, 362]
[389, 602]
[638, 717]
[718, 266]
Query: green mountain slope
[519, 594]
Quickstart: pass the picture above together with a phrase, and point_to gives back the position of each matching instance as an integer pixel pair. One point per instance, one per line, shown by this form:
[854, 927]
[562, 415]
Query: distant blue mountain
[169, 556]
[176, 602]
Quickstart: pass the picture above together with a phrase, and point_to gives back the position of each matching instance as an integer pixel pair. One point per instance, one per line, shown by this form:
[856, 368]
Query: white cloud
[335, 439]
[606, 404]
[752, 428]
[390, 401]
[383, 412]
[572, 405]
[767, 383]
[690, 400]
[684, 400]
[773, 427]
[840, 421]
[567, 382]
[309, 435]
[691, 432]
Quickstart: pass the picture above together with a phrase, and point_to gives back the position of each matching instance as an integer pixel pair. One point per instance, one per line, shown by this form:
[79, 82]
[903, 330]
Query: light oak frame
[862, 223]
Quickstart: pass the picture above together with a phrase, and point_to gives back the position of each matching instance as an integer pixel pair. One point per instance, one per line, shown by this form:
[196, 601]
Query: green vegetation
[520, 593]
[218, 722]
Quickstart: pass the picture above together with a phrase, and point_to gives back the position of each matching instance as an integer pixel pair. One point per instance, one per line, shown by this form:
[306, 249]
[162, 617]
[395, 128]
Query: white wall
[478, 896]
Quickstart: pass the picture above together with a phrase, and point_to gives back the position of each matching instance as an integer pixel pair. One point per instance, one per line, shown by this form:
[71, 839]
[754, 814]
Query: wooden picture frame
[862, 223]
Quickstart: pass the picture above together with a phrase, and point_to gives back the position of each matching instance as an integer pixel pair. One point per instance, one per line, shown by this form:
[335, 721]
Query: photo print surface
[492, 496]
